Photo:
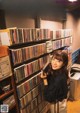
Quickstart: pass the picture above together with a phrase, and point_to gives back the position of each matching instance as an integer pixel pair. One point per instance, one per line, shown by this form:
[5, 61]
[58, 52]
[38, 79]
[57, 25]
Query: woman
[55, 77]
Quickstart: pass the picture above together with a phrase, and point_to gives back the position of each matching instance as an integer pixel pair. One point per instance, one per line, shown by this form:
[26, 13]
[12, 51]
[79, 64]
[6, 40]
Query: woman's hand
[43, 75]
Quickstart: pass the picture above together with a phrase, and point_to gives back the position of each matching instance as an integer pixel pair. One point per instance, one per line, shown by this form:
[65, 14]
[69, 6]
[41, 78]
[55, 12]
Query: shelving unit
[6, 81]
[29, 50]
[29, 77]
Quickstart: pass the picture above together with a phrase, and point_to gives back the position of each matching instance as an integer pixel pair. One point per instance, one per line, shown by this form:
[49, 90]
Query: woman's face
[56, 64]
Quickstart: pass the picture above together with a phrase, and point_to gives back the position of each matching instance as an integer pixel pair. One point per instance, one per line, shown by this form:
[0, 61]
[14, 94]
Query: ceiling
[38, 6]
[30, 4]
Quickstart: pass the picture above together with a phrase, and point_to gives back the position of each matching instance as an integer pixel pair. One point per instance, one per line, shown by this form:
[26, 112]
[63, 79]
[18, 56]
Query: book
[35, 92]
[49, 46]
[21, 90]
[34, 103]
[39, 98]
[23, 110]
[14, 35]
[5, 67]
[20, 35]
[17, 56]
[19, 73]
[29, 97]
[28, 108]
[26, 70]
[27, 86]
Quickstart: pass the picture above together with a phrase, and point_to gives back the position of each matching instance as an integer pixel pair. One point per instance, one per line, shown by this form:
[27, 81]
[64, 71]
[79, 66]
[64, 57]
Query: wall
[51, 25]
[23, 14]
[19, 20]
[74, 24]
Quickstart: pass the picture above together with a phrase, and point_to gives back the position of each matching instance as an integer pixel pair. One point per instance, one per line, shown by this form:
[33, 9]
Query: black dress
[57, 87]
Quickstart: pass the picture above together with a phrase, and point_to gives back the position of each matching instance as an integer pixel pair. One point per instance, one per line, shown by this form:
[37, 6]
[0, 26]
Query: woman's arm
[44, 77]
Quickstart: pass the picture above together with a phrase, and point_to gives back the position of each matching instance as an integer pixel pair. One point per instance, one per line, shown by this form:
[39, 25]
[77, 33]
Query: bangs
[58, 57]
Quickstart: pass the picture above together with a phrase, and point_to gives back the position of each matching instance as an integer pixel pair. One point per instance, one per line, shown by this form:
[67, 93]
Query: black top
[57, 87]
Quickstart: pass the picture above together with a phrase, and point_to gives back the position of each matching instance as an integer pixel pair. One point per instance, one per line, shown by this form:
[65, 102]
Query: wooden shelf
[6, 94]
[6, 77]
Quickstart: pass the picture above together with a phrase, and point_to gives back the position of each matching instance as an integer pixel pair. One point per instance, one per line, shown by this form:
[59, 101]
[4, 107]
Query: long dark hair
[63, 56]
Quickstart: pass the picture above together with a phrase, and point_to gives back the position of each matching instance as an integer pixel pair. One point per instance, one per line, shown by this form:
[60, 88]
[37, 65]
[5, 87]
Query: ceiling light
[72, 0]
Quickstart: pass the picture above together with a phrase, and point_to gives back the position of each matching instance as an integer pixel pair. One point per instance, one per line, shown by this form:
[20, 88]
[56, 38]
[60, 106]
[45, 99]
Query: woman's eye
[59, 60]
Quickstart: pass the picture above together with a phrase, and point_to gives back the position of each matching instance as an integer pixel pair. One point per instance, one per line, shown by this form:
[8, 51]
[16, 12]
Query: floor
[73, 106]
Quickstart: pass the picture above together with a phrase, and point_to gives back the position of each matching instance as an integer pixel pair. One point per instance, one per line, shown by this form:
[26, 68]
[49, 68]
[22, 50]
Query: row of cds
[21, 35]
[53, 45]
[28, 85]
[41, 108]
[16, 35]
[61, 43]
[26, 53]
[27, 99]
[26, 70]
